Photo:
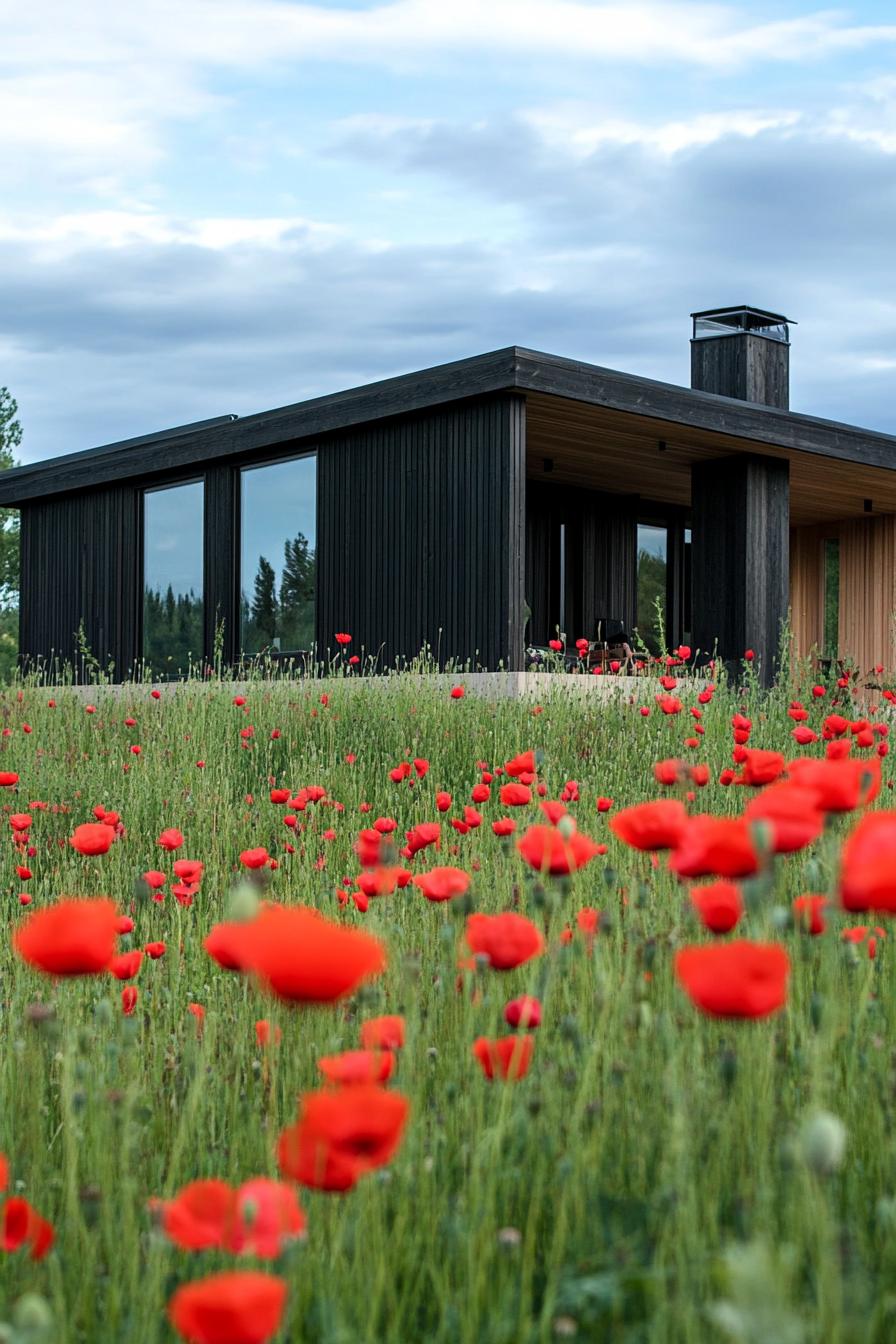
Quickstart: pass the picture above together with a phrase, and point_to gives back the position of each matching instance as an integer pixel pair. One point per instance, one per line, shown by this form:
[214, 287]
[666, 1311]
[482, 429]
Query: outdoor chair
[611, 644]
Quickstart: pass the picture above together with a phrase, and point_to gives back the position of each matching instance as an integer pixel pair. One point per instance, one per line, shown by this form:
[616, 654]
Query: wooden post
[740, 548]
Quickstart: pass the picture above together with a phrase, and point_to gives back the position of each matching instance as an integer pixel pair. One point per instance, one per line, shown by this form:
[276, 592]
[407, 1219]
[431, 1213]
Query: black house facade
[476, 508]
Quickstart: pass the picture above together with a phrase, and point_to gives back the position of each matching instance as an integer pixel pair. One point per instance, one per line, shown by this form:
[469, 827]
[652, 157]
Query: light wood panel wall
[868, 591]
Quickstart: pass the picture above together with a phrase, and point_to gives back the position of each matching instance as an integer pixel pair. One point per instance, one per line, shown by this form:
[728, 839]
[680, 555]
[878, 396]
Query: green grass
[648, 1167]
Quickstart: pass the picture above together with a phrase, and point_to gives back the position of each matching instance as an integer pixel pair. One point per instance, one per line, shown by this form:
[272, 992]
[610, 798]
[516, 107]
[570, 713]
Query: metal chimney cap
[743, 318]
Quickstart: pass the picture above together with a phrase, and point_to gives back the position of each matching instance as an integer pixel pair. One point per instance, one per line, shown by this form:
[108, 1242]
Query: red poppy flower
[441, 884]
[71, 937]
[425, 834]
[507, 940]
[303, 957]
[279, 796]
[171, 838]
[504, 826]
[189, 871]
[715, 847]
[343, 638]
[267, 1217]
[129, 996]
[155, 950]
[8, 778]
[719, 905]
[524, 1011]
[739, 979]
[840, 786]
[126, 965]
[761, 767]
[230, 1308]
[20, 821]
[515, 795]
[154, 879]
[92, 838]
[341, 1135]
[254, 858]
[792, 814]
[265, 1033]
[200, 1216]
[225, 945]
[808, 914]
[352, 1068]
[23, 1225]
[546, 849]
[507, 1057]
[524, 764]
[803, 736]
[868, 864]
[383, 1033]
[383, 881]
[650, 826]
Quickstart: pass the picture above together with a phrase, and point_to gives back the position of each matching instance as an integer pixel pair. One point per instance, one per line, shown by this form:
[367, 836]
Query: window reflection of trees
[173, 610]
[172, 628]
[281, 616]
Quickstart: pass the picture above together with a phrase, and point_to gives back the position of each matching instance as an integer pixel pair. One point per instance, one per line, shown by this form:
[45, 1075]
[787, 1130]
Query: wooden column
[740, 549]
[221, 558]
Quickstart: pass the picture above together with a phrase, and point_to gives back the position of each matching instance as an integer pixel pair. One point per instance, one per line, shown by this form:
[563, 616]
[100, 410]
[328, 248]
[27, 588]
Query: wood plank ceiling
[616, 451]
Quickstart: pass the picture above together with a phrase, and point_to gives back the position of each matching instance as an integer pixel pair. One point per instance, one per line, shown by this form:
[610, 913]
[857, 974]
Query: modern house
[476, 507]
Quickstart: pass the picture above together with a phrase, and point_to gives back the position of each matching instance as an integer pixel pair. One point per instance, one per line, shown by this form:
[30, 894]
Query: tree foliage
[281, 616]
[10, 439]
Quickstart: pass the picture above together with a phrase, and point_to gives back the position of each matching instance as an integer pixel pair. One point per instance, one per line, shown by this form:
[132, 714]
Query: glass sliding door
[652, 584]
[173, 577]
[278, 507]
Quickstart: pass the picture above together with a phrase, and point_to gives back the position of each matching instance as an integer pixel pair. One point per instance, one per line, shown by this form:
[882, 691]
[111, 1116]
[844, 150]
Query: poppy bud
[243, 903]
[823, 1143]
[32, 1316]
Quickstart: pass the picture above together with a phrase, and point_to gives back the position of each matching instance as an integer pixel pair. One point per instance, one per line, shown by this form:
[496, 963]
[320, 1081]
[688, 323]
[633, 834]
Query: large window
[653, 545]
[277, 561]
[172, 576]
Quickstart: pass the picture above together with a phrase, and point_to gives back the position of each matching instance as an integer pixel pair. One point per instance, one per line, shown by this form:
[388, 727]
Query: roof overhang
[647, 409]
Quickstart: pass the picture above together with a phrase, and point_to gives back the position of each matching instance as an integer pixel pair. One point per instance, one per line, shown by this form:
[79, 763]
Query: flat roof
[512, 369]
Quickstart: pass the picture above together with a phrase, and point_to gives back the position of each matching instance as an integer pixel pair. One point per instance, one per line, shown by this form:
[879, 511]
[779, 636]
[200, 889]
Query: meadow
[690, 1153]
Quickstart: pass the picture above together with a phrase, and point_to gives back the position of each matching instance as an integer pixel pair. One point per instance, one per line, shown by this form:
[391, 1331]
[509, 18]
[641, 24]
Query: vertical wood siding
[868, 592]
[419, 535]
[80, 562]
[807, 587]
[751, 368]
[600, 567]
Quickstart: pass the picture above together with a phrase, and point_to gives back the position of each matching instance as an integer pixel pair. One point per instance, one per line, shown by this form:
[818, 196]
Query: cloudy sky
[215, 206]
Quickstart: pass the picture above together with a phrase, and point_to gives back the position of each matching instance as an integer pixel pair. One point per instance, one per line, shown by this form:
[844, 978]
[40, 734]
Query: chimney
[742, 352]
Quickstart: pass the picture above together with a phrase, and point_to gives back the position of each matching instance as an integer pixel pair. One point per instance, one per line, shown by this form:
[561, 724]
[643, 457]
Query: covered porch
[728, 537]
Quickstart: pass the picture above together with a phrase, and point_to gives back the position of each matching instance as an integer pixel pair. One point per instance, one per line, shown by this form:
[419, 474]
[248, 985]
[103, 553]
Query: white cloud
[126, 228]
[240, 33]
[568, 128]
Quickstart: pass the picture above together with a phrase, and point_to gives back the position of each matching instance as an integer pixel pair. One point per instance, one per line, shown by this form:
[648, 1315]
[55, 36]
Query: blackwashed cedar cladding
[419, 521]
[421, 496]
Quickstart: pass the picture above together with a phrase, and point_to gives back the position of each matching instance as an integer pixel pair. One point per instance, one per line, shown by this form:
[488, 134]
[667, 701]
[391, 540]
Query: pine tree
[264, 600]
[297, 582]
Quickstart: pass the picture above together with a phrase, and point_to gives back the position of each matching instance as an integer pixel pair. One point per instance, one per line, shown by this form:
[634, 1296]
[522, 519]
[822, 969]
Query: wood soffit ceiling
[619, 452]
